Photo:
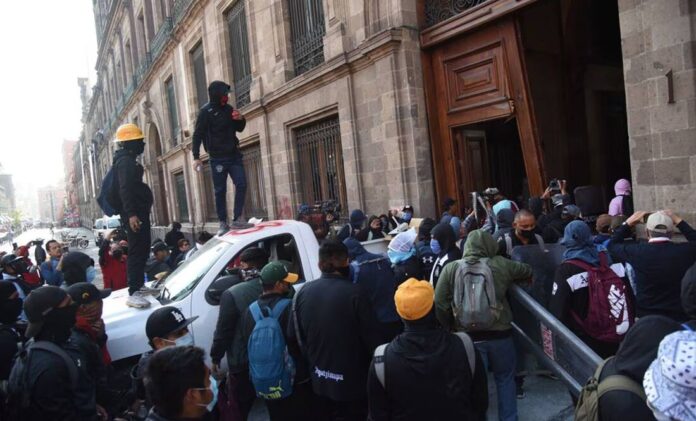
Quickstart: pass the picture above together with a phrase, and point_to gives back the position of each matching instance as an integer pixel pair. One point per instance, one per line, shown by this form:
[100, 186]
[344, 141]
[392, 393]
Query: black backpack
[18, 398]
[109, 199]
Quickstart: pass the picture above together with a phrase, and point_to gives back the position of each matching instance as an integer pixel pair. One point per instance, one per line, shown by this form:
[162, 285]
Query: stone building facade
[331, 89]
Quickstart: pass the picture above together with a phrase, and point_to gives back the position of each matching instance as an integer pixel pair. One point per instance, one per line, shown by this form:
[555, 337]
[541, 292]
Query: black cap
[85, 293]
[39, 304]
[407, 208]
[164, 321]
[159, 247]
[8, 259]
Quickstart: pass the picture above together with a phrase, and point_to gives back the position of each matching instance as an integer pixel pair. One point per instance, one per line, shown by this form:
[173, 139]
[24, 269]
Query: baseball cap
[414, 299]
[159, 247]
[164, 321]
[276, 272]
[39, 304]
[85, 293]
[603, 222]
[670, 382]
[659, 222]
[571, 210]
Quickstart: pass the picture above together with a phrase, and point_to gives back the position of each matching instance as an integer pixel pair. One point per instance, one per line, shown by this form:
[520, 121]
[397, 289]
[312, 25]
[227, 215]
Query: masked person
[355, 225]
[57, 383]
[172, 238]
[622, 204]
[504, 218]
[335, 327]
[165, 327]
[553, 231]
[216, 128]
[228, 338]
[180, 385]
[13, 268]
[524, 233]
[78, 267]
[135, 201]
[373, 230]
[402, 254]
[443, 244]
[425, 253]
[158, 263]
[11, 329]
[52, 269]
[113, 264]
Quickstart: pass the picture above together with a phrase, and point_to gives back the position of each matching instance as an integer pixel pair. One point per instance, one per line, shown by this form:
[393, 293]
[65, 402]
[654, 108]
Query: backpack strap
[379, 364]
[56, 350]
[508, 244]
[622, 383]
[256, 312]
[582, 265]
[296, 323]
[470, 350]
[280, 306]
[540, 240]
[356, 270]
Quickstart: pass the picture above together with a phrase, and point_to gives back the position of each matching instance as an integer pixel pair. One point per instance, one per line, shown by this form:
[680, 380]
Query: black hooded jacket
[215, 127]
[449, 252]
[688, 292]
[637, 351]
[427, 377]
[136, 196]
[504, 218]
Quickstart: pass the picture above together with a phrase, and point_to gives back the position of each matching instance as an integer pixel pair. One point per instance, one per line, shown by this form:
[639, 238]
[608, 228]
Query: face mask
[138, 148]
[224, 100]
[214, 390]
[10, 310]
[528, 234]
[91, 274]
[435, 246]
[344, 271]
[407, 216]
[59, 322]
[186, 340]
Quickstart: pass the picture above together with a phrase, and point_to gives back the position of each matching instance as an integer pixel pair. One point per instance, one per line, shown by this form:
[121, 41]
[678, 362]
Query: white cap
[404, 241]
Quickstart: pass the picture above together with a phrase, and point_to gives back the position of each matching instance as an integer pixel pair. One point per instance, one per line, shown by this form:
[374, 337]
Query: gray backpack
[475, 306]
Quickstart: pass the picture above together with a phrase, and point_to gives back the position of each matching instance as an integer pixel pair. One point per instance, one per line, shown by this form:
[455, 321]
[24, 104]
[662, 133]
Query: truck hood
[126, 325]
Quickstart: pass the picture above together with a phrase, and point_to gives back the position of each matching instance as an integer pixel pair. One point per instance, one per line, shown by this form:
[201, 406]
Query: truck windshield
[113, 223]
[185, 278]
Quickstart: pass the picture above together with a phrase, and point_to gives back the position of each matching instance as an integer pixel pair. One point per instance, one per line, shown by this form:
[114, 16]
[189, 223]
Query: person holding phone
[216, 128]
[52, 269]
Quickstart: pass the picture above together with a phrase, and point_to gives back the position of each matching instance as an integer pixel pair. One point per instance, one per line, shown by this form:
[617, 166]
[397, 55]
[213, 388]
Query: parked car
[104, 226]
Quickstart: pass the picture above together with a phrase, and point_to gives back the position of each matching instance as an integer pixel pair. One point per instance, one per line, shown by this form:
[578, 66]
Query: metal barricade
[552, 343]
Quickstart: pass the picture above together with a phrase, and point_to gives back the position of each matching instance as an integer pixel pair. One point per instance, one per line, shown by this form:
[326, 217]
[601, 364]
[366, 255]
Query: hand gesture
[236, 115]
[675, 218]
[134, 223]
[636, 218]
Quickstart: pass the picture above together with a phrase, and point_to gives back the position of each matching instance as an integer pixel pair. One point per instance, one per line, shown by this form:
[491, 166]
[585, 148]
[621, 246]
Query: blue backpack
[109, 200]
[271, 367]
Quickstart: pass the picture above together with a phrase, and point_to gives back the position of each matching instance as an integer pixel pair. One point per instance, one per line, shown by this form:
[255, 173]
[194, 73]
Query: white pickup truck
[186, 288]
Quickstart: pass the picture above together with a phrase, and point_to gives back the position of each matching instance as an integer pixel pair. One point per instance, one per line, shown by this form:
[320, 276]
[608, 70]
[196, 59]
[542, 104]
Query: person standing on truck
[486, 316]
[136, 201]
[229, 330]
[334, 324]
[216, 128]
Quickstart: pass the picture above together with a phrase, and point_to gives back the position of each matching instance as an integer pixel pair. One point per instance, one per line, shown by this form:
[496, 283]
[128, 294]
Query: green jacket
[480, 244]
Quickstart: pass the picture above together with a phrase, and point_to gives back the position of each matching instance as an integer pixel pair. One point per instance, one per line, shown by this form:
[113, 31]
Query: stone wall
[658, 37]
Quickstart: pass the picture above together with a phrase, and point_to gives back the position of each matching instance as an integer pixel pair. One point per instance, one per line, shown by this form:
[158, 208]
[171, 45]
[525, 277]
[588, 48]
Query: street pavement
[546, 399]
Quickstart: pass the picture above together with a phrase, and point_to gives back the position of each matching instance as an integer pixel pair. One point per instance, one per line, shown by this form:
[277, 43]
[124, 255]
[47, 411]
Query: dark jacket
[502, 244]
[688, 292]
[10, 339]
[51, 397]
[136, 196]
[229, 332]
[659, 269]
[410, 268]
[153, 267]
[636, 353]
[215, 127]
[504, 220]
[95, 367]
[571, 296]
[75, 266]
[138, 377]
[374, 273]
[427, 377]
[448, 251]
[336, 330]
[270, 301]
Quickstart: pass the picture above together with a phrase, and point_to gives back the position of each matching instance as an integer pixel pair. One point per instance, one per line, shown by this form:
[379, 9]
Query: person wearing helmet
[136, 201]
[216, 128]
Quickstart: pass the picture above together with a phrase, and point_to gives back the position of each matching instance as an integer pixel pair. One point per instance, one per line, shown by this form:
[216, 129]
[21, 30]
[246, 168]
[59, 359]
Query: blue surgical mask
[214, 390]
[397, 257]
[407, 216]
[91, 274]
[186, 340]
[435, 246]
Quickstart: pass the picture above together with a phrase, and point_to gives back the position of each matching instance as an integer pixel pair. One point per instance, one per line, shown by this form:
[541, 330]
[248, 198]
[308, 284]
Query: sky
[46, 46]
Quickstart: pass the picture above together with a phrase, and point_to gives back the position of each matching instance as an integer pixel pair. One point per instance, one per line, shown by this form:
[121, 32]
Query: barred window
[201, 85]
[255, 203]
[209, 192]
[239, 53]
[320, 158]
[181, 196]
[171, 108]
[307, 29]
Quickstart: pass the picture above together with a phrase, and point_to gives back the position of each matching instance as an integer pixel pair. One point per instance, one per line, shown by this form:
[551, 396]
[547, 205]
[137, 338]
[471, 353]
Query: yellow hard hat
[127, 132]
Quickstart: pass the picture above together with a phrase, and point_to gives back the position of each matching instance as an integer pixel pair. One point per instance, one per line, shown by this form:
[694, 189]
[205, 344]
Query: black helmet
[14, 262]
[8, 259]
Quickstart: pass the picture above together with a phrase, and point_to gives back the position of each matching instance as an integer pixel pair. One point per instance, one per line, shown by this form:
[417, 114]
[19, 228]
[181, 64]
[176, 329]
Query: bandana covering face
[88, 320]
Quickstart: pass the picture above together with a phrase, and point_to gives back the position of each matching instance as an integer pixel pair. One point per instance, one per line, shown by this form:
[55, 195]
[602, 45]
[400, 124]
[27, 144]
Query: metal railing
[255, 193]
[161, 38]
[242, 93]
[307, 28]
[180, 7]
[437, 11]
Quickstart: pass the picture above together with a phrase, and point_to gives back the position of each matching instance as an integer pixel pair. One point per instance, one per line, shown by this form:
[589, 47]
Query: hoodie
[373, 272]
[636, 353]
[136, 196]
[622, 188]
[504, 219]
[443, 234]
[215, 127]
[480, 244]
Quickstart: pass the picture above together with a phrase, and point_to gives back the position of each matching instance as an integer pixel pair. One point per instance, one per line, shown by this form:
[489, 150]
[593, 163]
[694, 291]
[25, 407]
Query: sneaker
[137, 301]
[149, 291]
[223, 228]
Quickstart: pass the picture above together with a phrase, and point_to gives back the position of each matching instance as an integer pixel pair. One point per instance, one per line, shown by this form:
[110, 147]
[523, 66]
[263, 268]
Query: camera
[555, 186]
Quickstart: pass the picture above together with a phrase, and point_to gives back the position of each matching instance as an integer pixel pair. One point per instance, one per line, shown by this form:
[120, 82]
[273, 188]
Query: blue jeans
[500, 356]
[221, 168]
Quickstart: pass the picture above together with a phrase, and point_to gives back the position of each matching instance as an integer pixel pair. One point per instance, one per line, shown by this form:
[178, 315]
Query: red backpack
[610, 309]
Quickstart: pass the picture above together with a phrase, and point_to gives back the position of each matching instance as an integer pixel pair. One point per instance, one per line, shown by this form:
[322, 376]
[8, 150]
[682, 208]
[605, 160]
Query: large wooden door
[472, 78]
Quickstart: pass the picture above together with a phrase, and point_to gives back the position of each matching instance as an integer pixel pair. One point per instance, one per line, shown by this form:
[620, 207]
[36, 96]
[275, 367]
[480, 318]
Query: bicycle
[75, 241]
